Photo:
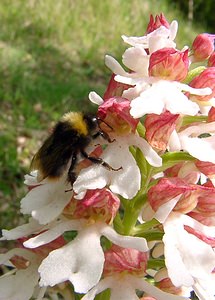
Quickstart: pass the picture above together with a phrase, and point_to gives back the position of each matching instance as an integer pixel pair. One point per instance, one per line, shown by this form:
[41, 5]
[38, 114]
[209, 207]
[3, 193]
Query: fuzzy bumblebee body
[71, 135]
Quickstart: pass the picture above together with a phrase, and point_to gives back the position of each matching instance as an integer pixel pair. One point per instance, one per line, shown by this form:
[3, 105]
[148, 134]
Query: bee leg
[104, 135]
[99, 161]
[71, 176]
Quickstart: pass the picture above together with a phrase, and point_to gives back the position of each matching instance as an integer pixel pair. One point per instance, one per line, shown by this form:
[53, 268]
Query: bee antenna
[101, 132]
[102, 121]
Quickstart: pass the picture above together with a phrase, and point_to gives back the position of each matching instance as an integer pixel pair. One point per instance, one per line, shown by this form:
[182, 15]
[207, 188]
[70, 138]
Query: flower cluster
[144, 228]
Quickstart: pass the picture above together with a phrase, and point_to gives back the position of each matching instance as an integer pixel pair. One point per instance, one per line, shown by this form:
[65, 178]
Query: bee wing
[48, 160]
[52, 158]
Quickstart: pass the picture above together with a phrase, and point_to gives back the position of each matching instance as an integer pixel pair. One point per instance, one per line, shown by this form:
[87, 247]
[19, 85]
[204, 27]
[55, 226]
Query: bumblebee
[70, 136]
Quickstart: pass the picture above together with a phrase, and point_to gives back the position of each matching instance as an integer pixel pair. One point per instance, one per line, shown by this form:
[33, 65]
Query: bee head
[92, 122]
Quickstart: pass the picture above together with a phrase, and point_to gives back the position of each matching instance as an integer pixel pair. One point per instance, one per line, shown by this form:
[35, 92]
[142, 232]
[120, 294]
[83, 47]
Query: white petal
[194, 91]
[114, 66]
[187, 257]
[95, 98]
[123, 291]
[120, 181]
[197, 130]
[19, 286]
[53, 233]
[157, 42]
[136, 59]
[207, 230]
[116, 155]
[92, 177]
[124, 241]
[163, 94]
[204, 292]
[201, 148]
[151, 156]
[153, 291]
[46, 201]
[177, 271]
[164, 210]
[174, 143]
[100, 287]
[147, 103]
[173, 30]
[180, 103]
[134, 92]
[130, 79]
[134, 40]
[4, 258]
[23, 230]
[81, 262]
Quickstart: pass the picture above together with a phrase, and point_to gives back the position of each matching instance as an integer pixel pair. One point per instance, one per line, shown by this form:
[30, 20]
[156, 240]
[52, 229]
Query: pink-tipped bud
[155, 23]
[114, 89]
[169, 63]
[124, 260]
[211, 60]
[206, 220]
[211, 114]
[19, 262]
[207, 168]
[203, 80]
[116, 113]
[203, 46]
[206, 200]
[167, 286]
[100, 204]
[44, 250]
[168, 188]
[159, 129]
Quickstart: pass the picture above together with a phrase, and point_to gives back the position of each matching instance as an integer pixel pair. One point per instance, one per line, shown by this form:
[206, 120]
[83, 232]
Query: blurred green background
[52, 56]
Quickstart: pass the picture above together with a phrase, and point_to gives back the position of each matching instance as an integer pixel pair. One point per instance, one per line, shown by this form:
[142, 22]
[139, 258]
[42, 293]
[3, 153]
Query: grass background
[51, 57]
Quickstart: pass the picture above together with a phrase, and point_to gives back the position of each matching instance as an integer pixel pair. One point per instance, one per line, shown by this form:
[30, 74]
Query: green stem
[118, 224]
[130, 219]
[155, 263]
[142, 228]
[152, 235]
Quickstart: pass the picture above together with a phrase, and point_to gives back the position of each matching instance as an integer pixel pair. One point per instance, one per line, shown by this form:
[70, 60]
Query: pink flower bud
[155, 23]
[116, 113]
[114, 88]
[44, 250]
[206, 200]
[203, 80]
[211, 60]
[166, 189]
[187, 202]
[203, 46]
[167, 286]
[174, 170]
[169, 64]
[211, 114]
[119, 260]
[185, 170]
[206, 220]
[19, 262]
[97, 204]
[207, 168]
[159, 129]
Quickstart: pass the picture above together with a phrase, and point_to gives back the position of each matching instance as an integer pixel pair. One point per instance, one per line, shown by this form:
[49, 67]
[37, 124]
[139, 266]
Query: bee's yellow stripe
[76, 121]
